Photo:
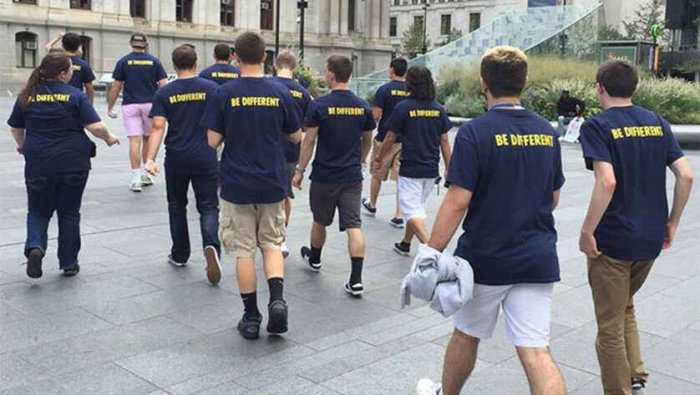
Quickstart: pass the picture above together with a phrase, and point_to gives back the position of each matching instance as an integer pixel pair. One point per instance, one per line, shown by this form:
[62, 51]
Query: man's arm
[18, 135]
[113, 94]
[452, 210]
[307, 147]
[377, 113]
[161, 83]
[90, 91]
[603, 191]
[214, 138]
[681, 192]
[556, 198]
[50, 44]
[294, 137]
[99, 130]
[446, 150]
[156, 138]
[366, 144]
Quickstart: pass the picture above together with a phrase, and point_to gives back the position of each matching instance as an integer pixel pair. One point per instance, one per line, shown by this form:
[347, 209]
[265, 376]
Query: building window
[227, 12]
[445, 24]
[85, 42]
[474, 21]
[24, 1]
[418, 20]
[80, 4]
[137, 8]
[392, 26]
[25, 46]
[267, 14]
[351, 15]
[397, 2]
[183, 10]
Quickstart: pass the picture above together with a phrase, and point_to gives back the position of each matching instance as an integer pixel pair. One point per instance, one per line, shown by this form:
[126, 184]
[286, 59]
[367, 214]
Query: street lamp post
[562, 38]
[277, 28]
[301, 5]
[425, 26]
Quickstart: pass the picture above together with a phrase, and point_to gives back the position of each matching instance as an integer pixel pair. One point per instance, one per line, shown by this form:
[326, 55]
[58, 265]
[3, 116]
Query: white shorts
[527, 309]
[413, 192]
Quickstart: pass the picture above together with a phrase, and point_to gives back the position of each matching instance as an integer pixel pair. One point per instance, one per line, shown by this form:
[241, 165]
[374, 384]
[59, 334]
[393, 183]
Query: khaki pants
[614, 283]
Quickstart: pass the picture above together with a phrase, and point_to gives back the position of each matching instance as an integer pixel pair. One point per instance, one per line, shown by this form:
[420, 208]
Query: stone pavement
[131, 324]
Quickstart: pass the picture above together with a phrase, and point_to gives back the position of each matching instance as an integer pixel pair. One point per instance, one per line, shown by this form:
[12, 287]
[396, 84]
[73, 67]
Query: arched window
[25, 49]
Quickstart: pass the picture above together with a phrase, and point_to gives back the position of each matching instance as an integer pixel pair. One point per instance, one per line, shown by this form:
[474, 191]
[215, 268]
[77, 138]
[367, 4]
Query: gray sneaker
[638, 386]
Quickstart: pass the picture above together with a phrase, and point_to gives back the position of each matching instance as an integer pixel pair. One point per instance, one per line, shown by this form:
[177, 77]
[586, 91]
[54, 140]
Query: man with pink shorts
[140, 74]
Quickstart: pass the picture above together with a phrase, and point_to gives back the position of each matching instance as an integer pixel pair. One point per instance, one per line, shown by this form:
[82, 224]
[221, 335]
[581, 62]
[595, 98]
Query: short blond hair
[504, 71]
[286, 60]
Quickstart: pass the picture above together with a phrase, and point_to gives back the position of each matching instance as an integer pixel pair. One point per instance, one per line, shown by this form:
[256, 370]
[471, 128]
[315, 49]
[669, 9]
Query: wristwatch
[299, 170]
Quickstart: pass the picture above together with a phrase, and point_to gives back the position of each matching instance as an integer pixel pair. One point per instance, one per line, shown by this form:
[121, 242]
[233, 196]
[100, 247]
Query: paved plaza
[131, 324]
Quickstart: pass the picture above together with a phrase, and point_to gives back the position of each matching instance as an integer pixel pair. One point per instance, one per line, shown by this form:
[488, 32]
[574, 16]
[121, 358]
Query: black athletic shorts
[346, 197]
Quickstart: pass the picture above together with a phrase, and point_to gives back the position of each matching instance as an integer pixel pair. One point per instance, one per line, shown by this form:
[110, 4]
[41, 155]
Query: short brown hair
[222, 52]
[286, 60]
[250, 48]
[618, 77]
[341, 67]
[184, 57]
[504, 71]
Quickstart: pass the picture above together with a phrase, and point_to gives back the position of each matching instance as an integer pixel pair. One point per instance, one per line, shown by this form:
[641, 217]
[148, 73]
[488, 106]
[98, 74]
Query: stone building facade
[356, 28]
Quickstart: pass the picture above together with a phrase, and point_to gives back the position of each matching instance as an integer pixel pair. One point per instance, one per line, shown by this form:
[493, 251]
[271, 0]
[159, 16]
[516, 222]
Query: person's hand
[152, 167]
[111, 113]
[670, 234]
[588, 245]
[376, 164]
[20, 150]
[112, 140]
[297, 179]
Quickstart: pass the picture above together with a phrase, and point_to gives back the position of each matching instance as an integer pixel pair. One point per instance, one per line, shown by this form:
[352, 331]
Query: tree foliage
[412, 43]
[649, 14]
[454, 35]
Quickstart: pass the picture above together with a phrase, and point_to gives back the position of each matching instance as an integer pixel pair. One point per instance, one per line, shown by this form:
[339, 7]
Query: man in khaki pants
[628, 223]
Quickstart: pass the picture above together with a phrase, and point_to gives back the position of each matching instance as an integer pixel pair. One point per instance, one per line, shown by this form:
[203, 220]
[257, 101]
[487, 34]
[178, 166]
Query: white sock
[136, 174]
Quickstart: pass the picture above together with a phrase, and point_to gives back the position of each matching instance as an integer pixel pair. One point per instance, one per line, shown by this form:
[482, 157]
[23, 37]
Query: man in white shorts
[140, 74]
[506, 172]
[422, 123]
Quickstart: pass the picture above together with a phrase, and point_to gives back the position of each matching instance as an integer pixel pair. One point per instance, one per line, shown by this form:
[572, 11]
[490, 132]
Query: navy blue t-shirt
[341, 118]
[182, 103]
[140, 73]
[420, 124]
[301, 98]
[511, 161]
[220, 73]
[639, 144]
[253, 114]
[82, 73]
[386, 98]
[55, 141]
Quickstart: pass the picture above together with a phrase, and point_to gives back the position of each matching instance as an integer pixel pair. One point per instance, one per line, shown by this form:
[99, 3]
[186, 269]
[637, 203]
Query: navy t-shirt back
[302, 98]
[55, 141]
[253, 114]
[511, 161]
[386, 98]
[140, 73]
[220, 73]
[420, 124]
[182, 102]
[341, 118]
[82, 73]
[640, 145]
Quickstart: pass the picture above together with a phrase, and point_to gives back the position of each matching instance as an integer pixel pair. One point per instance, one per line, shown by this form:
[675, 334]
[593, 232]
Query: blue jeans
[62, 193]
[205, 186]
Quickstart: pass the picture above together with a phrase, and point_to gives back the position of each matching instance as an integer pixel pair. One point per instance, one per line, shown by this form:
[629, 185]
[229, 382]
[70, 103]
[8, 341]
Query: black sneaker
[305, 253]
[396, 223]
[367, 209]
[249, 327]
[34, 259]
[277, 317]
[402, 248]
[355, 289]
[71, 271]
[638, 386]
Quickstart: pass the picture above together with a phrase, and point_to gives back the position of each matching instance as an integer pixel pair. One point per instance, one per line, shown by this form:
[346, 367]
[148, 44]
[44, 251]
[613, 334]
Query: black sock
[250, 304]
[276, 285]
[356, 273]
[315, 255]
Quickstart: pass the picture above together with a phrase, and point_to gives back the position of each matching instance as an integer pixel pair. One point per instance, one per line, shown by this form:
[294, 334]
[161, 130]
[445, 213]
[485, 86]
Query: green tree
[412, 43]
[649, 14]
[609, 33]
[454, 35]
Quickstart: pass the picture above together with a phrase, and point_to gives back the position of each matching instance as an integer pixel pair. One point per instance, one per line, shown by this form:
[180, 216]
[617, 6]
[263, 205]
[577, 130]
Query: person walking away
[221, 71]
[505, 174]
[251, 115]
[82, 72]
[285, 66]
[342, 123]
[47, 124]
[386, 98]
[422, 124]
[627, 223]
[140, 74]
[189, 159]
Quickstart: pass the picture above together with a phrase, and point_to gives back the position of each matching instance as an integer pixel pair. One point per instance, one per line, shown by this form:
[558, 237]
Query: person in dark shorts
[343, 124]
[285, 66]
[82, 72]
[221, 71]
[627, 225]
[251, 115]
[189, 159]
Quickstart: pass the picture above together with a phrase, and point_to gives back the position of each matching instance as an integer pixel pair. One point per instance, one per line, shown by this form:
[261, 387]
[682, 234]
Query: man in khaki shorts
[253, 115]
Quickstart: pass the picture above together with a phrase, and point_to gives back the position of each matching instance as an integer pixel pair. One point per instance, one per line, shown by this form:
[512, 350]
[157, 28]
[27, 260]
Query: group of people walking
[504, 173]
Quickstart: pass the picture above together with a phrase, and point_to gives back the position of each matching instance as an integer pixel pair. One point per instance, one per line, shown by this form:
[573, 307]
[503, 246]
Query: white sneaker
[146, 179]
[136, 186]
[428, 387]
[285, 250]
